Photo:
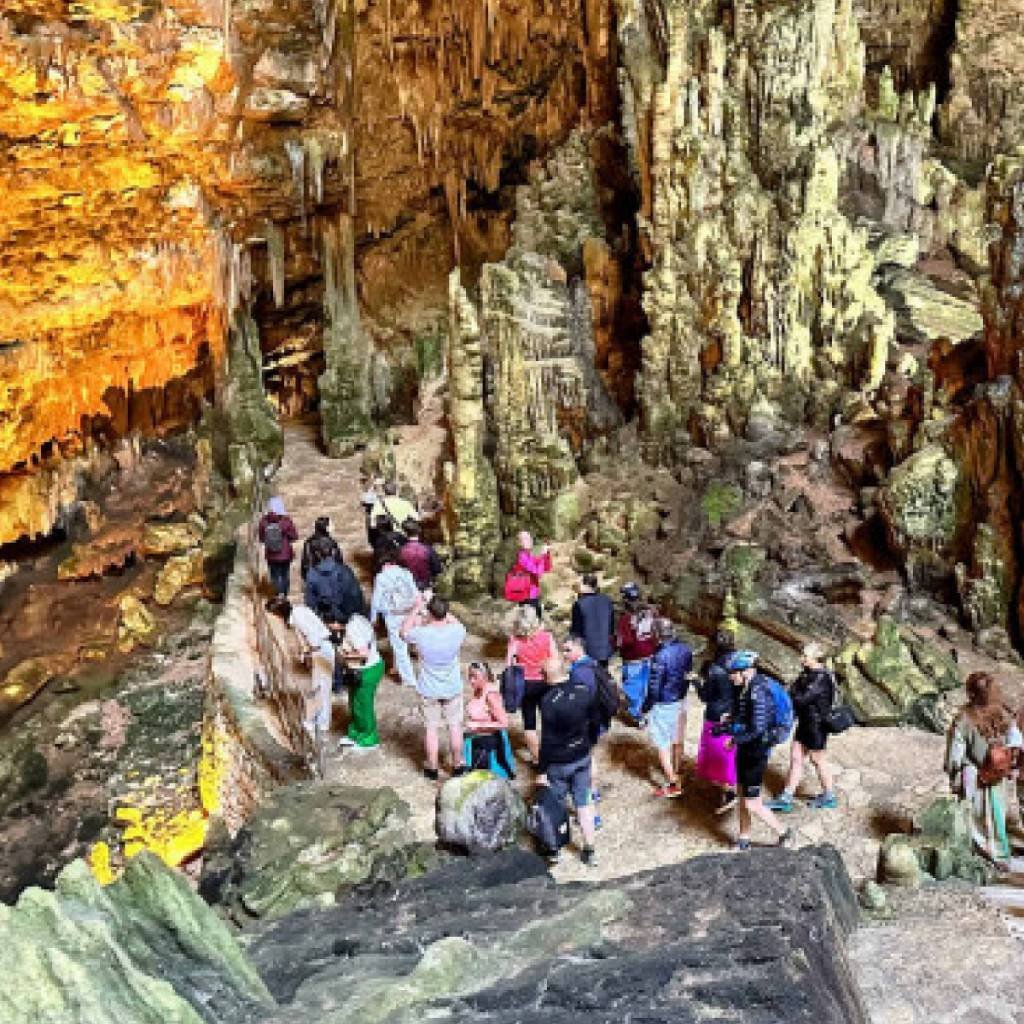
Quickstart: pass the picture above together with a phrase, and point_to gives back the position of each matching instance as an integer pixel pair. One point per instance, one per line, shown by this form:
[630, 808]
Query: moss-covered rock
[479, 813]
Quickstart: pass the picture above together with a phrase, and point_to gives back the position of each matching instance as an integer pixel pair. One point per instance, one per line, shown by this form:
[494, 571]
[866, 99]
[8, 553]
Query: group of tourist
[564, 705]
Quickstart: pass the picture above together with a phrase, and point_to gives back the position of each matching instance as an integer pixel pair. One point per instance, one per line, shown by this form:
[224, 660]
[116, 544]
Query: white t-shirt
[438, 649]
[307, 624]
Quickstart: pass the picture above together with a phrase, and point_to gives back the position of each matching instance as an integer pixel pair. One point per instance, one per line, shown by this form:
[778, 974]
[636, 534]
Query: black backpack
[548, 821]
[513, 687]
[273, 538]
[607, 694]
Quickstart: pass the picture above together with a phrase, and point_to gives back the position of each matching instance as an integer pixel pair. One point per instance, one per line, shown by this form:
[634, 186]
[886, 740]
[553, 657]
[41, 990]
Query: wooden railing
[281, 679]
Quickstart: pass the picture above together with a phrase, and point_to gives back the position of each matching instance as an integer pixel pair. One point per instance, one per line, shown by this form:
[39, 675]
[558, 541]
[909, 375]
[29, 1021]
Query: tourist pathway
[883, 775]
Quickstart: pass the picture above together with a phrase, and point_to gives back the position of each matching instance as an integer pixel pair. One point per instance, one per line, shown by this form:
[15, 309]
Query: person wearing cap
[637, 643]
[665, 704]
[748, 728]
[812, 693]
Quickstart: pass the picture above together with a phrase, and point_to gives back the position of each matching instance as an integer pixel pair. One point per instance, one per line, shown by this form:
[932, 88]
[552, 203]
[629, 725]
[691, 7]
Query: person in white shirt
[394, 596]
[316, 639]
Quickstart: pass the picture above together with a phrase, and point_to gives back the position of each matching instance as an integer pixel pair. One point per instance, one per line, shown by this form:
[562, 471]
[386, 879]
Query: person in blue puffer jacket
[665, 704]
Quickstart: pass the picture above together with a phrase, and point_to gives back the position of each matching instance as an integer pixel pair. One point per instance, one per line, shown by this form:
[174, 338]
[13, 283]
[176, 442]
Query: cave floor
[914, 966]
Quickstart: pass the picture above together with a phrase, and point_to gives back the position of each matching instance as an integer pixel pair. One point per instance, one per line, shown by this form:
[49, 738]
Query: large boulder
[144, 950]
[306, 844]
[479, 813]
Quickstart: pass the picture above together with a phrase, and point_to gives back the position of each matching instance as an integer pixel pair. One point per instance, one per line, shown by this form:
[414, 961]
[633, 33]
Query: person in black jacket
[749, 730]
[570, 724]
[716, 759]
[593, 619]
[812, 693]
[321, 528]
[332, 590]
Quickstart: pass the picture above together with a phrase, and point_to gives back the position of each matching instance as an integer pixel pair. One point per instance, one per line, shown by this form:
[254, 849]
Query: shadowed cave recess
[725, 297]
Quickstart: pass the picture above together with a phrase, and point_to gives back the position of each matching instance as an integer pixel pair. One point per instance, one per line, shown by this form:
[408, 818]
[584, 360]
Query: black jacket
[333, 592]
[593, 619]
[812, 694]
[752, 712]
[569, 723]
[715, 688]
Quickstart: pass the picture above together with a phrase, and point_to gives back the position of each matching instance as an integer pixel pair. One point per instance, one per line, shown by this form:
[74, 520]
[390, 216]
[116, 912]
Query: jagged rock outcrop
[143, 950]
[307, 844]
[760, 288]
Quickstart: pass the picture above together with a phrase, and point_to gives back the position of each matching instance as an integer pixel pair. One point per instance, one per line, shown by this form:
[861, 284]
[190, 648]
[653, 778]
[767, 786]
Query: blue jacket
[333, 592]
[669, 667]
[593, 619]
[752, 712]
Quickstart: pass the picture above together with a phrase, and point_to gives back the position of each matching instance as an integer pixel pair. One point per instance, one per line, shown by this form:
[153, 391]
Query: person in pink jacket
[534, 565]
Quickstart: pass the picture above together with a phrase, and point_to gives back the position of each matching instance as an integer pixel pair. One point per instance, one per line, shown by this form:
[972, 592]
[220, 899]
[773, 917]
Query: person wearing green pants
[359, 651]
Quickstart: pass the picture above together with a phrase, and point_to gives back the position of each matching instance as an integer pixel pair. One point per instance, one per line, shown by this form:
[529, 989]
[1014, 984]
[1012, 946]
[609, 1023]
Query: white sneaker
[362, 750]
[346, 741]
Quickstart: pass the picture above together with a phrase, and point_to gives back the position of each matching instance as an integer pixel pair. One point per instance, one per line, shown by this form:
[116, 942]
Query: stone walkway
[882, 775]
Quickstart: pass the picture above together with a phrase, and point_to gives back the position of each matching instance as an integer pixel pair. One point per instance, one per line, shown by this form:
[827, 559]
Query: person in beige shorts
[437, 638]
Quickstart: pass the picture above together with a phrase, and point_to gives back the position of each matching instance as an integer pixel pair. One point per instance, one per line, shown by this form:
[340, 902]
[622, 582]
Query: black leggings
[535, 690]
[482, 745]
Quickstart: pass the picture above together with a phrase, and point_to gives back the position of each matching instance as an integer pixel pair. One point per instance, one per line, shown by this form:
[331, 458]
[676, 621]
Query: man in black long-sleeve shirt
[570, 723]
[593, 619]
[750, 725]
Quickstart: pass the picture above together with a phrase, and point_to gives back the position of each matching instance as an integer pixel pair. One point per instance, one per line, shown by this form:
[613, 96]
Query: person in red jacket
[277, 533]
[637, 642]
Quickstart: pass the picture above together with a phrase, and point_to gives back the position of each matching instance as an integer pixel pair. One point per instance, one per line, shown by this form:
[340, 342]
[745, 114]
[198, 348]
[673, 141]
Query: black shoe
[786, 839]
[430, 773]
[459, 770]
[588, 856]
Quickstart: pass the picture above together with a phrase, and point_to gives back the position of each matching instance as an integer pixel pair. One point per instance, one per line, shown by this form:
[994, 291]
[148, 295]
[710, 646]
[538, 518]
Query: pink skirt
[715, 761]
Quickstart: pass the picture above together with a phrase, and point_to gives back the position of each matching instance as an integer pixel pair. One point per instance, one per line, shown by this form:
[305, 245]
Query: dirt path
[883, 775]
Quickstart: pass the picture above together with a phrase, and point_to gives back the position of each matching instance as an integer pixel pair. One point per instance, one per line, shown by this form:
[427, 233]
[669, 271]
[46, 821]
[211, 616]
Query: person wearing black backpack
[750, 729]
[813, 694]
[571, 721]
[332, 590]
[277, 533]
[321, 529]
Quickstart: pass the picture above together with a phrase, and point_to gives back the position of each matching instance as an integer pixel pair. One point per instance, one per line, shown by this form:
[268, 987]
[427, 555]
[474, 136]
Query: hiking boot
[669, 792]
[824, 802]
[431, 773]
[786, 839]
[588, 856]
[782, 804]
[741, 845]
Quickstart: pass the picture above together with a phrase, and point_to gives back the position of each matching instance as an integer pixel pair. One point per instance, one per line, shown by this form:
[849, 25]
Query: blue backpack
[782, 712]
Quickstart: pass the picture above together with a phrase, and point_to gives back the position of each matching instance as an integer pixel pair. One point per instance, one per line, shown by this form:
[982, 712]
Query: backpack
[548, 821]
[513, 687]
[839, 719]
[400, 593]
[273, 537]
[518, 585]
[607, 695]
[782, 712]
[998, 765]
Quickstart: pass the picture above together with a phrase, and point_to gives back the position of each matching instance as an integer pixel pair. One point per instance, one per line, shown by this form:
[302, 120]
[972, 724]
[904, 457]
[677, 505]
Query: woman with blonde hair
[984, 745]
[530, 646]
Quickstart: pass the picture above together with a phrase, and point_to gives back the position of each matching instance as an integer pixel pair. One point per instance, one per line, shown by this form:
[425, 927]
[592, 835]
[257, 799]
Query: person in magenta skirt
[716, 761]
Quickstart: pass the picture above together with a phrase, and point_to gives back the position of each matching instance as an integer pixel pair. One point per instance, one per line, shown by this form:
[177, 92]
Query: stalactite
[276, 258]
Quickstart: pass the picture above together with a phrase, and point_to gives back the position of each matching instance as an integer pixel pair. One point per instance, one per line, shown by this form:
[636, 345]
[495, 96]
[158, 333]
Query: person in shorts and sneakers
[749, 728]
[437, 638]
[665, 704]
[570, 725]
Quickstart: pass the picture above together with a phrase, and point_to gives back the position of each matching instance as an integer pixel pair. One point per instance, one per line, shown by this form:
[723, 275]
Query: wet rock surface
[495, 939]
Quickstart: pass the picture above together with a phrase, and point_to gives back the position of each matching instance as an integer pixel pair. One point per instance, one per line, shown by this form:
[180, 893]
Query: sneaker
[553, 857]
[782, 804]
[824, 802]
[598, 821]
[459, 770]
[431, 773]
[361, 749]
[346, 741]
[588, 856]
[786, 839]
[669, 792]
[727, 802]
[595, 796]
[741, 845]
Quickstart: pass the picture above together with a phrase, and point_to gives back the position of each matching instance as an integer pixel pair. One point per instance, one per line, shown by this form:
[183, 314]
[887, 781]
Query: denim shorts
[573, 778]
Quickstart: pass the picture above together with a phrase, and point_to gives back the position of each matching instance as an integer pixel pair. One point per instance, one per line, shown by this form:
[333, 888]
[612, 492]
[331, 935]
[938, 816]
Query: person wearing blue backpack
[762, 716]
